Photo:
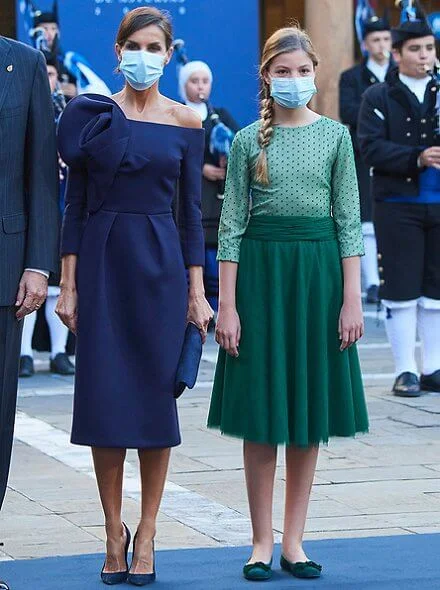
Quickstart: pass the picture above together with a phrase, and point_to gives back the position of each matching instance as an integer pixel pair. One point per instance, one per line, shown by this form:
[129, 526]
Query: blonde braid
[265, 133]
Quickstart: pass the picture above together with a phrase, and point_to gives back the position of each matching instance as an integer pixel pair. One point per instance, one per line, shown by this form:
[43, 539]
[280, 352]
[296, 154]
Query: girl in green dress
[290, 300]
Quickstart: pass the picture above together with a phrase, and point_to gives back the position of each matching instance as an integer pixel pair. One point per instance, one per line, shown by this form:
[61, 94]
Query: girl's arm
[233, 223]
[228, 329]
[351, 321]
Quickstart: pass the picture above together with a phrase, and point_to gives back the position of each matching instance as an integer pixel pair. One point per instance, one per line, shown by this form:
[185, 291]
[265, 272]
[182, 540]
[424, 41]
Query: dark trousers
[10, 339]
[408, 246]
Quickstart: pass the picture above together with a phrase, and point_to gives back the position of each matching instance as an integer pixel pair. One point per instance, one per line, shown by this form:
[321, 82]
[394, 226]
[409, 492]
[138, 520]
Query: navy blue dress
[131, 279]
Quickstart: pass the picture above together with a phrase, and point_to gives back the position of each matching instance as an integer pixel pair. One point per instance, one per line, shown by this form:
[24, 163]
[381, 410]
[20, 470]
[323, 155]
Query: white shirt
[39, 271]
[416, 85]
[380, 71]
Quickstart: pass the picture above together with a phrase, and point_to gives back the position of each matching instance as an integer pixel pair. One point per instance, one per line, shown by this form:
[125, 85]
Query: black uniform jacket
[352, 85]
[393, 129]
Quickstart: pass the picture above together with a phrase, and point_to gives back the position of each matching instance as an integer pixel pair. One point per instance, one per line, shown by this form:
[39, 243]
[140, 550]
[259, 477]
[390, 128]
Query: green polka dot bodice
[311, 173]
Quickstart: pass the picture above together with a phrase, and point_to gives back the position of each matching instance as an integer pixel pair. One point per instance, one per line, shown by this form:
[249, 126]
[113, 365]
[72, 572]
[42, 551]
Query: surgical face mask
[293, 93]
[141, 68]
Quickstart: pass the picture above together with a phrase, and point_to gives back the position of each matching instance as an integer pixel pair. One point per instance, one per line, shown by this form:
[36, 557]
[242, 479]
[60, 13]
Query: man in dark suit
[28, 214]
[352, 85]
[399, 137]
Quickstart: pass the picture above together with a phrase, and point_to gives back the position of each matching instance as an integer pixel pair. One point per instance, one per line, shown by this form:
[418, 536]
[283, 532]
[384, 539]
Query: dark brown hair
[142, 17]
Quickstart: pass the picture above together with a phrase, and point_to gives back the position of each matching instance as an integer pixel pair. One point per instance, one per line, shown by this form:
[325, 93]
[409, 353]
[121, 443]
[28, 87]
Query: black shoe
[407, 385]
[26, 369]
[431, 382]
[3, 586]
[142, 579]
[61, 365]
[113, 578]
[372, 294]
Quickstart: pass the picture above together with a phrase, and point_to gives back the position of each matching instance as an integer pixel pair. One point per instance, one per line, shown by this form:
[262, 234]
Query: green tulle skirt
[291, 384]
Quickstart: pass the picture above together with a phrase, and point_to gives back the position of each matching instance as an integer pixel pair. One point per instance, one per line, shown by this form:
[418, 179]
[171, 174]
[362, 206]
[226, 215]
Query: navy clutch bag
[189, 362]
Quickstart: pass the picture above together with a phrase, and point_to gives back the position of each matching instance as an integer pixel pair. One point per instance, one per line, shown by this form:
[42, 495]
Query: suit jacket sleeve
[349, 100]
[41, 176]
[377, 150]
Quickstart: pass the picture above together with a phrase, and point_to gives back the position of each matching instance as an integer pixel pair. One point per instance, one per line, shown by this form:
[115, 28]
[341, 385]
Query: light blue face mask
[141, 68]
[293, 93]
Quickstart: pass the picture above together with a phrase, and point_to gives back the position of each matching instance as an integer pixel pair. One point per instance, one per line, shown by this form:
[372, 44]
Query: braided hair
[282, 41]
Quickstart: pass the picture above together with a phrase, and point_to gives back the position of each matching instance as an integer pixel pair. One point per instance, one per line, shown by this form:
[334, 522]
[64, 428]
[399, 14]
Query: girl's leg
[300, 471]
[154, 467]
[259, 466]
[109, 469]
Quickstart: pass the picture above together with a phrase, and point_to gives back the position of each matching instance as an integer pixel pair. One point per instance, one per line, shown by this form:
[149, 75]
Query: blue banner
[223, 33]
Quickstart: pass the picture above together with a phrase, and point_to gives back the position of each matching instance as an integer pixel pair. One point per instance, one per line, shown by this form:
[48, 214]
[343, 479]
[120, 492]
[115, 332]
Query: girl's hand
[67, 308]
[200, 313]
[351, 323]
[228, 330]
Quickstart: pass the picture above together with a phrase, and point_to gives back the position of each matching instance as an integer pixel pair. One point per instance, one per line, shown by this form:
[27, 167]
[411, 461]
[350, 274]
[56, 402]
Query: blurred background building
[228, 34]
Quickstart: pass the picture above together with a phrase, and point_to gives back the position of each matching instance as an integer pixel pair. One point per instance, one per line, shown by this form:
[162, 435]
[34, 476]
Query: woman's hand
[213, 173]
[200, 313]
[351, 322]
[67, 308]
[228, 330]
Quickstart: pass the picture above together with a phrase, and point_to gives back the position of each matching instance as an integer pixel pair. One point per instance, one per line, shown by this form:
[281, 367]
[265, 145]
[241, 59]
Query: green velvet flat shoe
[258, 571]
[301, 569]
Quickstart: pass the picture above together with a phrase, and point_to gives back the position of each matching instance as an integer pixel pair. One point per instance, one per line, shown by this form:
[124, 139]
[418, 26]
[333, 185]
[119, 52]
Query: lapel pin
[10, 68]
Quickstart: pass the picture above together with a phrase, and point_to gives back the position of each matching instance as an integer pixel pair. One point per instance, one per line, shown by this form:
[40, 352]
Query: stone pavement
[383, 483]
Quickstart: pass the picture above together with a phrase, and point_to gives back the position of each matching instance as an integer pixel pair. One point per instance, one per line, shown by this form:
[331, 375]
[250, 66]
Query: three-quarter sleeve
[235, 210]
[190, 195]
[75, 212]
[345, 200]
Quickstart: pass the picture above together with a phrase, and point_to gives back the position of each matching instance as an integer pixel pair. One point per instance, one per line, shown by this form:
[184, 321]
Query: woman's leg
[109, 469]
[300, 471]
[259, 466]
[154, 467]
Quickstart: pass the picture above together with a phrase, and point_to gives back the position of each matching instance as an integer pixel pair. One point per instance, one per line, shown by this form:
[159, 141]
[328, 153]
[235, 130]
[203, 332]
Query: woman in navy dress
[124, 288]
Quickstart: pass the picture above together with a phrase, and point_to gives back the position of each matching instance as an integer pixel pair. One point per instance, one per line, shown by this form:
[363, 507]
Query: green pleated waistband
[276, 228]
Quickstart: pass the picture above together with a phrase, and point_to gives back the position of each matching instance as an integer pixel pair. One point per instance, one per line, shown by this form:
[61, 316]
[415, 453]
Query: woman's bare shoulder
[185, 116]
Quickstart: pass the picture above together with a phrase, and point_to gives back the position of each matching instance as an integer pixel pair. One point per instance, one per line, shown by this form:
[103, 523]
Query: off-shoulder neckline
[145, 122]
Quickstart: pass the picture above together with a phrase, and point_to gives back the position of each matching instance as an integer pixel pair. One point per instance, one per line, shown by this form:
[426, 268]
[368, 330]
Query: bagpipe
[221, 136]
[74, 63]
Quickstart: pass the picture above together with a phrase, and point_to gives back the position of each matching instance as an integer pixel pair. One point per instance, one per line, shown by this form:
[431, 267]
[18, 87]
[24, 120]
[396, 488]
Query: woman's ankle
[293, 551]
[146, 529]
[114, 529]
[262, 550]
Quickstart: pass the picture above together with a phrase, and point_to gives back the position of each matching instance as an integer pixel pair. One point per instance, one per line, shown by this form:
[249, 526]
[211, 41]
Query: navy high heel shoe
[112, 578]
[142, 579]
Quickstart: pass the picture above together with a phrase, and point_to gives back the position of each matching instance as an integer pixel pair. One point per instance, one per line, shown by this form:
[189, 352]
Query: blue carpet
[374, 563]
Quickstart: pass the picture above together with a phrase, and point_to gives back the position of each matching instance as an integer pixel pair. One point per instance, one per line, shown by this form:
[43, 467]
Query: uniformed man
[398, 137]
[353, 83]
[48, 23]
